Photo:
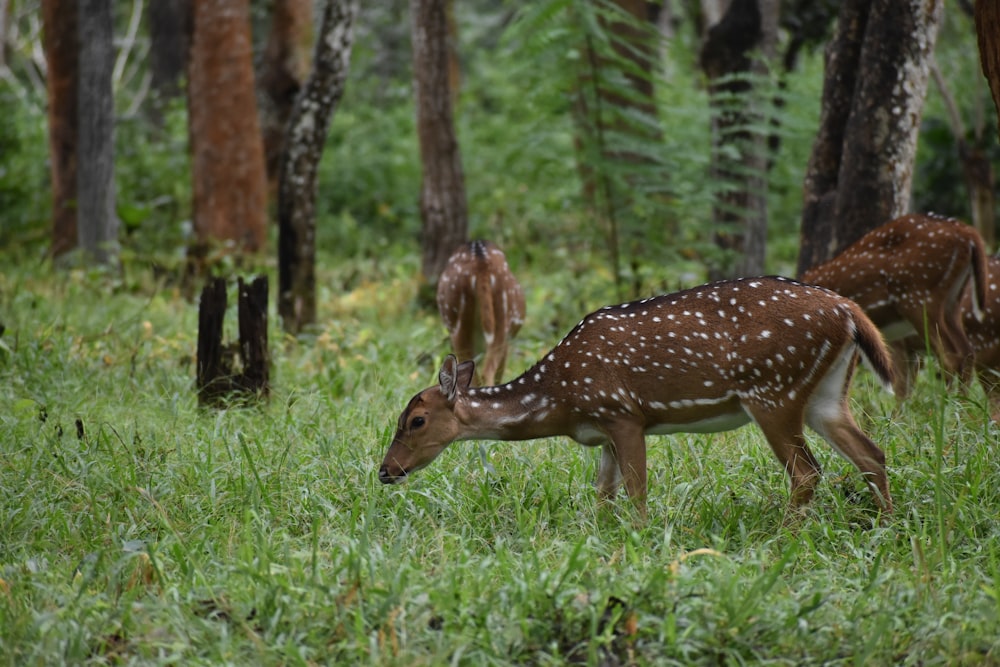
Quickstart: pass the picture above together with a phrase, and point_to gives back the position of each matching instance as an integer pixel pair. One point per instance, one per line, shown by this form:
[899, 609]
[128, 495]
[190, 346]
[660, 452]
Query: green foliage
[139, 528]
[571, 59]
[25, 192]
[153, 181]
[938, 181]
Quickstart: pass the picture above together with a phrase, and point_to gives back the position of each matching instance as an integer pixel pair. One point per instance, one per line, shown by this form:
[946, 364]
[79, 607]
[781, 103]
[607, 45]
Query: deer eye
[417, 422]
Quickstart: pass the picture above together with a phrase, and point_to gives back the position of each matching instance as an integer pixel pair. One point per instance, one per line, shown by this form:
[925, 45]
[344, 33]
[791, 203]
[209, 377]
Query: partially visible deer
[909, 275]
[703, 360]
[482, 305]
[984, 334]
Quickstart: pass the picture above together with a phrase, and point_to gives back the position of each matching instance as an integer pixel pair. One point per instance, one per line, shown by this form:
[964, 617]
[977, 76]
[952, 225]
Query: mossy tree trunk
[307, 130]
[861, 167]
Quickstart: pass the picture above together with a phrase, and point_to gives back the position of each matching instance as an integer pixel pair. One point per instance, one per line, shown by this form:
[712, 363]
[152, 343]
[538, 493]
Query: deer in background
[984, 335]
[909, 275]
[482, 305]
[703, 360]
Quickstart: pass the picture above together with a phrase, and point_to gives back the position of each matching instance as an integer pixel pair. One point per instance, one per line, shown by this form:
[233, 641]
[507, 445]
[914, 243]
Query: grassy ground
[137, 528]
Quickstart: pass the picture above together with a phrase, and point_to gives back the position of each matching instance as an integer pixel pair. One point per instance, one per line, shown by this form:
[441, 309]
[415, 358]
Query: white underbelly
[724, 422]
[590, 435]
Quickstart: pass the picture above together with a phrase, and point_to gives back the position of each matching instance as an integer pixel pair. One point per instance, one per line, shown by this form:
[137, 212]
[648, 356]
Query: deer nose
[386, 478]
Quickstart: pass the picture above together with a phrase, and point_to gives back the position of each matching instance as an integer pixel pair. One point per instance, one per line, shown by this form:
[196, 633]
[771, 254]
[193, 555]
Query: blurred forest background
[640, 212]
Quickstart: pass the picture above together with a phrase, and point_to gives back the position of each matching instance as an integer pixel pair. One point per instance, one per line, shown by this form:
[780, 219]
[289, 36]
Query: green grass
[137, 528]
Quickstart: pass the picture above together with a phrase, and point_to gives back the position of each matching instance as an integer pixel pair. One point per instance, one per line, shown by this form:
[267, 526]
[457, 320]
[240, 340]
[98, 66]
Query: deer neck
[522, 409]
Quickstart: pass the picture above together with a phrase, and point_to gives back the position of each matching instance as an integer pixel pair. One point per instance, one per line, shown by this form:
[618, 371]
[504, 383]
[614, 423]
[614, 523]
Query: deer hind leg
[495, 357]
[842, 432]
[906, 360]
[956, 348]
[783, 431]
[609, 475]
[828, 414]
[990, 380]
[941, 321]
[462, 332]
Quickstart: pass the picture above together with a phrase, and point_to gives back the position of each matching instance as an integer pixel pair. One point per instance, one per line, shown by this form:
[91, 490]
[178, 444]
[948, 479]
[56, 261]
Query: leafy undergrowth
[136, 527]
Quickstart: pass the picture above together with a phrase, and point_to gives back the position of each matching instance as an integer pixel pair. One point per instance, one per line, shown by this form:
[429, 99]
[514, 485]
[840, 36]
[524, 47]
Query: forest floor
[136, 527]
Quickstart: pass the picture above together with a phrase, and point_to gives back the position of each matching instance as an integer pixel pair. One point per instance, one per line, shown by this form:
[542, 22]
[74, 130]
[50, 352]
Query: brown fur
[909, 275]
[482, 306]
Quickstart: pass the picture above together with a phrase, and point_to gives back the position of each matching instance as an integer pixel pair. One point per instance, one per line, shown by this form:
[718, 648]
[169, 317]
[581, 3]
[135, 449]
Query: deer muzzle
[387, 477]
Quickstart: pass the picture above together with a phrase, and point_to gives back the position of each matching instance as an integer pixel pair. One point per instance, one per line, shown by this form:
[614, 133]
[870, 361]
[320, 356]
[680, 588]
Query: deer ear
[454, 376]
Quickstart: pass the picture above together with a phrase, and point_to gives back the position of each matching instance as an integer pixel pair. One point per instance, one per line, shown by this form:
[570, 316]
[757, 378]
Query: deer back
[910, 263]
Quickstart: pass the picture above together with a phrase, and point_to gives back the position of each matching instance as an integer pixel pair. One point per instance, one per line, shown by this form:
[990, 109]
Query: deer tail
[979, 277]
[487, 309]
[873, 348]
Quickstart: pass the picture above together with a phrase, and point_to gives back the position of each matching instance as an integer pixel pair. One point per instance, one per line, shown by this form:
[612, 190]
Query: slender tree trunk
[4, 18]
[843, 57]
[283, 70]
[861, 169]
[977, 170]
[62, 50]
[98, 223]
[738, 118]
[169, 45]
[307, 130]
[442, 195]
[987, 13]
[227, 165]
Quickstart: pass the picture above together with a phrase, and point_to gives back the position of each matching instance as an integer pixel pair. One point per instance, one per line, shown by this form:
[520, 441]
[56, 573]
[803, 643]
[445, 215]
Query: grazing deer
[909, 275]
[480, 302]
[703, 360]
[984, 334]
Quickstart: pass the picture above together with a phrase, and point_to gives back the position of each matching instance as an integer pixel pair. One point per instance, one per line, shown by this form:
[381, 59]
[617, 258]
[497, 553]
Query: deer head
[909, 275]
[707, 359]
[481, 304]
[428, 424]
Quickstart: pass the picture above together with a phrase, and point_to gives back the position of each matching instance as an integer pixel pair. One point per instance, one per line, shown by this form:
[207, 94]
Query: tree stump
[234, 373]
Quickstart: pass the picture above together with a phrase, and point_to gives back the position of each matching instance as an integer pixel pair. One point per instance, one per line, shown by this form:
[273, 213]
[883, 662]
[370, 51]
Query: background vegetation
[137, 528]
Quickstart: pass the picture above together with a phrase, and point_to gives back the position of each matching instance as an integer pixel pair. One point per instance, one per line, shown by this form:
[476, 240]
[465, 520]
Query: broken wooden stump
[233, 373]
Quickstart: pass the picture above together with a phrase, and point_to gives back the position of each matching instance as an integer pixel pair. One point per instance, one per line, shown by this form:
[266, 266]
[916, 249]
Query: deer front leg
[783, 431]
[624, 459]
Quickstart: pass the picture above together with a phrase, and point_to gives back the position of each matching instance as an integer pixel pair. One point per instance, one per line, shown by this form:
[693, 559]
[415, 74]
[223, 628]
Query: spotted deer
[984, 335]
[909, 275]
[481, 304]
[703, 360]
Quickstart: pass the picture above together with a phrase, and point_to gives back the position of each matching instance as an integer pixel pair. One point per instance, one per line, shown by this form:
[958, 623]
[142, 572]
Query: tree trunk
[977, 170]
[62, 51]
[987, 13]
[307, 130]
[213, 369]
[252, 313]
[218, 381]
[860, 172]
[738, 118]
[442, 194]
[97, 221]
[283, 69]
[227, 165]
[4, 18]
[169, 44]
